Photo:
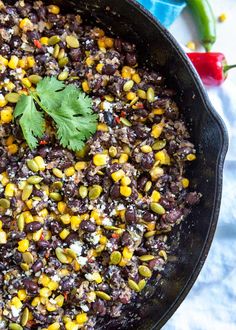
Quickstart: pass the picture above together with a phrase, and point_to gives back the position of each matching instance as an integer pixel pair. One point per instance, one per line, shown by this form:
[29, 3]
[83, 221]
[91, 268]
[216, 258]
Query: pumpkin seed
[150, 233]
[133, 285]
[157, 208]
[55, 196]
[28, 258]
[148, 186]
[12, 97]
[102, 295]
[125, 122]
[63, 62]
[24, 266]
[27, 191]
[128, 85]
[32, 165]
[71, 253]
[72, 41]
[57, 185]
[34, 179]
[58, 173]
[83, 191]
[34, 78]
[63, 75]
[15, 326]
[25, 317]
[61, 256]
[95, 192]
[150, 95]
[115, 257]
[144, 271]
[142, 284]
[163, 254]
[21, 222]
[56, 51]
[53, 40]
[112, 151]
[146, 257]
[159, 145]
[61, 54]
[4, 203]
[111, 227]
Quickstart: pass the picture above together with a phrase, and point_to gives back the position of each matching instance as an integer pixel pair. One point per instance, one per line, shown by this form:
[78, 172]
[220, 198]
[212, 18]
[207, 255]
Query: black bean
[109, 118]
[42, 12]
[33, 17]
[141, 251]
[30, 286]
[67, 284]
[75, 54]
[43, 245]
[126, 239]
[115, 191]
[33, 226]
[55, 227]
[108, 69]
[128, 47]
[15, 42]
[71, 238]
[16, 257]
[131, 59]
[88, 226]
[142, 180]
[33, 35]
[37, 266]
[130, 216]
[148, 216]
[166, 203]
[192, 198]
[118, 45]
[172, 216]
[140, 131]
[5, 50]
[147, 161]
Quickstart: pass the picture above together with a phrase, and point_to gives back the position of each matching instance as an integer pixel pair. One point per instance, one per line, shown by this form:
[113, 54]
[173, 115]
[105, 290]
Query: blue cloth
[166, 11]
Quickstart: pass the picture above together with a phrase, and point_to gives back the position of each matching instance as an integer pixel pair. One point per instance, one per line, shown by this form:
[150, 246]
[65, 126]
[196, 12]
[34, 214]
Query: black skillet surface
[157, 48]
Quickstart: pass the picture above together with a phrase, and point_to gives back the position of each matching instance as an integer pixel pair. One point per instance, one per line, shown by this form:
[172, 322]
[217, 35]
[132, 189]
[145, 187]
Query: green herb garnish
[67, 105]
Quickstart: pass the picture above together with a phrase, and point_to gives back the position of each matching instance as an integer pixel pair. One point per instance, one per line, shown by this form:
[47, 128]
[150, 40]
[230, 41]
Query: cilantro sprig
[67, 105]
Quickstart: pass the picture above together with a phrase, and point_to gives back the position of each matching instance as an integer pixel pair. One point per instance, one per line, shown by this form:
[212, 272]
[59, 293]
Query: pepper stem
[229, 67]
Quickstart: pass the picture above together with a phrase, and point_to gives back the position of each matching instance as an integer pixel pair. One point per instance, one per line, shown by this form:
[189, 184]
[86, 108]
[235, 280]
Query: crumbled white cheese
[120, 207]
[95, 238]
[55, 278]
[76, 247]
[89, 277]
[50, 50]
[15, 311]
[84, 308]
[106, 222]
[82, 260]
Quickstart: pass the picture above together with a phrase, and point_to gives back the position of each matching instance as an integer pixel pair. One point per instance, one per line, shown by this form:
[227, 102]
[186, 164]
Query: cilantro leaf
[48, 89]
[32, 122]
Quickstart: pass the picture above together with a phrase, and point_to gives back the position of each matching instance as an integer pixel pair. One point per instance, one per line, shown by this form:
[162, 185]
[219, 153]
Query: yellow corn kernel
[80, 166]
[10, 140]
[3, 61]
[26, 82]
[102, 127]
[75, 222]
[10, 190]
[23, 245]
[43, 213]
[54, 326]
[12, 148]
[127, 253]
[125, 181]
[70, 171]
[100, 159]
[163, 157]
[101, 43]
[64, 233]
[71, 326]
[66, 219]
[97, 277]
[95, 214]
[136, 78]
[123, 262]
[109, 98]
[6, 115]
[142, 94]
[37, 235]
[151, 226]
[84, 216]
[53, 285]
[22, 295]
[31, 61]
[29, 203]
[40, 162]
[127, 72]
[76, 265]
[191, 157]
[35, 302]
[157, 130]
[146, 149]
[185, 182]
[61, 206]
[155, 197]
[222, 17]
[81, 318]
[85, 86]
[13, 62]
[25, 24]
[103, 240]
[10, 86]
[99, 67]
[125, 191]
[131, 96]
[59, 300]
[44, 41]
[45, 292]
[118, 175]
[191, 45]
[156, 173]
[23, 63]
[4, 178]
[50, 307]
[53, 9]
[109, 42]
[89, 61]
[123, 158]
[158, 111]
[16, 302]
[3, 101]
[44, 280]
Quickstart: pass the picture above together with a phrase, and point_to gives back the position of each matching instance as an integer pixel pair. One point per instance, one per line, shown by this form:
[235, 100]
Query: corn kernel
[6, 115]
[71, 326]
[26, 82]
[85, 86]
[163, 157]
[123, 158]
[37, 235]
[16, 302]
[102, 127]
[35, 302]
[31, 61]
[50, 307]
[125, 191]
[127, 253]
[158, 111]
[101, 43]
[126, 72]
[157, 130]
[45, 292]
[3, 102]
[131, 96]
[3, 237]
[125, 181]
[23, 63]
[58, 173]
[89, 61]
[99, 68]
[70, 171]
[75, 222]
[10, 190]
[53, 9]
[109, 42]
[54, 326]
[44, 280]
[156, 173]
[53, 285]
[142, 94]
[12, 148]
[44, 41]
[40, 162]
[23, 245]
[118, 175]
[191, 157]
[22, 295]
[61, 206]
[80, 166]
[136, 78]
[64, 233]
[185, 182]
[103, 240]
[10, 86]
[81, 318]
[3, 61]
[66, 219]
[146, 149]
[97, 277]
[13, 62]
[123, 262]
[59, 300]
[4, 178]
[155, 197]
[43, 213]
[25, 24]
[100, 159]
[151, 226]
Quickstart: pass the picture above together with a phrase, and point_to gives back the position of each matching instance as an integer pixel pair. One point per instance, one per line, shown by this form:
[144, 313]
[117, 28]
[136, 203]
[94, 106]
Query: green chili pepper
[204, 16]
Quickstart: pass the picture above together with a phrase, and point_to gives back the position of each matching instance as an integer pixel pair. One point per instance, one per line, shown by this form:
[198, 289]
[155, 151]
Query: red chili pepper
[37, 43]
[43, 142]
[115, 235]
[211, 67]
[123, 114]
[117, 119]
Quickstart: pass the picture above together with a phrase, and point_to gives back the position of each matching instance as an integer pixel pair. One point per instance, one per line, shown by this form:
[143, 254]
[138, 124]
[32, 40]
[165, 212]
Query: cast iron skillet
[158, 48]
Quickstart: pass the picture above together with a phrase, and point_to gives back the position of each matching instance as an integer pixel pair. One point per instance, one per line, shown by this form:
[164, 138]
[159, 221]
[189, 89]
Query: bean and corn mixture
[81, 233]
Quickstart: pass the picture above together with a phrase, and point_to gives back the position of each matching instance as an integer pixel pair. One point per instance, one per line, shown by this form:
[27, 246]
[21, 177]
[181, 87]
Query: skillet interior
[157, 48]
